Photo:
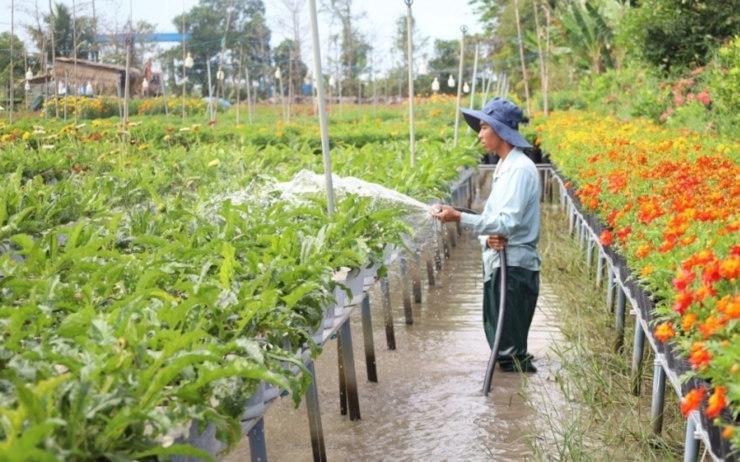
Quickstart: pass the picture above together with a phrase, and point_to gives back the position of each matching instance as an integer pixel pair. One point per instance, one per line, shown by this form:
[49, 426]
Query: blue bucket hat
[501, 114]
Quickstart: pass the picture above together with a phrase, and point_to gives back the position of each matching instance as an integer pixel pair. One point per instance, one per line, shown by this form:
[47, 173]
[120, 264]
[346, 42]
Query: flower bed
[670, 200]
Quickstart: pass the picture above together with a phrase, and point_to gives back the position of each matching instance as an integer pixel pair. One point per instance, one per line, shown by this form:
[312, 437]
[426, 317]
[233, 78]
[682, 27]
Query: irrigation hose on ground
[500, 322]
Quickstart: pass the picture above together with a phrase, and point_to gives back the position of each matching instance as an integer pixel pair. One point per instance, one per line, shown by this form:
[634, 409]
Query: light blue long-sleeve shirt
[513, 211]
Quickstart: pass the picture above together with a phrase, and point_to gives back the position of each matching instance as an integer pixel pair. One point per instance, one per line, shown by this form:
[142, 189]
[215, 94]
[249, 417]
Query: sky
[435, 18]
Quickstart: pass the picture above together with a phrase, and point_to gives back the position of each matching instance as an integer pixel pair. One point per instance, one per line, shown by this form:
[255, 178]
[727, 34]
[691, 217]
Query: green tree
[287, 58]
[400, 39]
[678, 35]
[18, 70]
[588, 35]
[84, 26]
[114, 51]
[225, 24]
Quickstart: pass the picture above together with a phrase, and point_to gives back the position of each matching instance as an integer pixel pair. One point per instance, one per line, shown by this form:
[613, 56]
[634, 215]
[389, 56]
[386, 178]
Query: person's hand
[496, 242]
[444, 213]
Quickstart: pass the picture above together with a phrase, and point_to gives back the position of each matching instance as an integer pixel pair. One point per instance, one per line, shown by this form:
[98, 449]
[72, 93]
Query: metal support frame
[691, 443]
[257, 446]
[390, 336]
[367, 334]
[610, 286]
[658, 402]
[430, 271]
[619, 319]
[638, 350]
[439, 246]
[599, 267]
[342, 377]
[403, 266]
[589, 253]
[416, 276]
[452, 237]
[314, 416]
[344, 340]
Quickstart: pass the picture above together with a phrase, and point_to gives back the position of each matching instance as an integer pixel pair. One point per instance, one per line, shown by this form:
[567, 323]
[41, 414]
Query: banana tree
[588, 33]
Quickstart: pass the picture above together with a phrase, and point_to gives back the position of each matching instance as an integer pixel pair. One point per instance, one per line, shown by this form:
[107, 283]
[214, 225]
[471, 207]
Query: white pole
[409, 51]
[463, 29]
[322, 109]
[249, 93]
[12, 36]
[487, 89]
[210, 91]
[127, 83]
[475, 75]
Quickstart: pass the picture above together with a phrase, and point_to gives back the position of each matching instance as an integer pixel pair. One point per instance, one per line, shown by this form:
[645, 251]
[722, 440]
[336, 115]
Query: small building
[92, 79]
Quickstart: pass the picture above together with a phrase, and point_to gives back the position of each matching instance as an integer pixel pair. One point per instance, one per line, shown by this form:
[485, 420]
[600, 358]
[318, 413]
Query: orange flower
[703, 292]
[699, 356]
[733, 308]
[716, 403]
[710, 326]
[646, 271]
[730, 268]
[642, 251]
[688, 240]
[692, 400]
[664, 331]
[687, 321]
[606, 238]
[728, 432]
[666, 246]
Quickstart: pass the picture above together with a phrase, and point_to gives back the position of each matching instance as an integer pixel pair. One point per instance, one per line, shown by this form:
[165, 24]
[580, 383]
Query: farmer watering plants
[510, 221]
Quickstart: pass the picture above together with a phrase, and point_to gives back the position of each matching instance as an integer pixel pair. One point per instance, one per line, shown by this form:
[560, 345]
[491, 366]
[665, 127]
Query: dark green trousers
[522, 289]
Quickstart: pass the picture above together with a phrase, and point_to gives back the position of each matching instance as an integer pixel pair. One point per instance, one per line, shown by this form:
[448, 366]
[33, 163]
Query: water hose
[499, 324]
[500, 321]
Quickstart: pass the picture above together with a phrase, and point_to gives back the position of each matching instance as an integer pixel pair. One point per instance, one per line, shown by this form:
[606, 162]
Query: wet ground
[428, 404]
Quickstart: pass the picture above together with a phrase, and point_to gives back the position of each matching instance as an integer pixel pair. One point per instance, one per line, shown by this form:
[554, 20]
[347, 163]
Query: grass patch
[597, 417]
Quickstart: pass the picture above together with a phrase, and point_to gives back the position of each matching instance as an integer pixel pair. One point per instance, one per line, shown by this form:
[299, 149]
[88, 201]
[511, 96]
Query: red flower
[704, 97]
[699, 356]
[683, 300]
[683, 279]
[692, 400]
[606, 238]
